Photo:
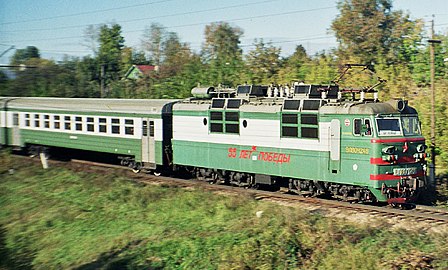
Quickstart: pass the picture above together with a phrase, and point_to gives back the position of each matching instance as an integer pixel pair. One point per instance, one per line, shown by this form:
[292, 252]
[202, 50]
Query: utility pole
[102, 78]
[432, 166]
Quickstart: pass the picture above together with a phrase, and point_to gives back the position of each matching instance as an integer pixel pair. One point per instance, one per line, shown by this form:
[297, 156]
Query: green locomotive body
[309, 142]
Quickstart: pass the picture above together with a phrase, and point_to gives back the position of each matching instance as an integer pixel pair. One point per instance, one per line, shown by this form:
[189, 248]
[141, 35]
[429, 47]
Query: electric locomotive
[310, 139]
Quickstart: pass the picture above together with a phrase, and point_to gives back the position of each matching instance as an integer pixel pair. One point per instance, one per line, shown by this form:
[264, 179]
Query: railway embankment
[61, 218]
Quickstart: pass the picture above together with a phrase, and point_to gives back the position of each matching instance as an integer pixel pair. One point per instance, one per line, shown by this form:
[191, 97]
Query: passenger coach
[138, 131]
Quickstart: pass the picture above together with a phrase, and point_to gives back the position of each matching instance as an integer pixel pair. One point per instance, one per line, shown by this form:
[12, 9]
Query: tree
[176, 55]
[91, 38]
[263, 63]
[296, 66]
[166, 51]
[21, 56]
[322, 70]
[4, 83]
[222, 53]
[110, 51]
[370, 30]
[152, 42]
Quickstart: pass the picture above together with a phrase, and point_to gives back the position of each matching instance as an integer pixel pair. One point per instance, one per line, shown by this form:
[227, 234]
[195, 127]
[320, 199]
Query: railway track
[431, 216]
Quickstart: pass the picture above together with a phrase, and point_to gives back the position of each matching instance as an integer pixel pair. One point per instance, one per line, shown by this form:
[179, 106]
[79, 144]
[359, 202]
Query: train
[313, 140]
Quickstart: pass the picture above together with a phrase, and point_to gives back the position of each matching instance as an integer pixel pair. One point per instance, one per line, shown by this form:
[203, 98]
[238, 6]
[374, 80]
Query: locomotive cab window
[388, 126]
[357, 127]
[411, 125]
[367, 127]
[362, 127]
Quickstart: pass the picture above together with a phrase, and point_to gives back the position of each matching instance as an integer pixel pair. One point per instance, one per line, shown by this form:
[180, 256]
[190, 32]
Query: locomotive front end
[399, 157]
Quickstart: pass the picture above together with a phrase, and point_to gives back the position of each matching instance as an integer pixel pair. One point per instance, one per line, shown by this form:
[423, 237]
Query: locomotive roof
[91, 104]
[358, 108]
[269, 105]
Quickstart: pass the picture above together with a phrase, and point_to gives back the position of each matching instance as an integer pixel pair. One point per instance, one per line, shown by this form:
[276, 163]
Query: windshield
[411, 125]
[397, 126]
[388, 126]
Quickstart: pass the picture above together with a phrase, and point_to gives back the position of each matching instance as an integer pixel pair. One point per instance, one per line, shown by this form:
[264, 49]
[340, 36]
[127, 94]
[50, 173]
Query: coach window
[36, 120]
[67, 123]
[145, 128]
[15, 119]
[56, 121]
[115, 126]
[102, 125]
[27, 119]
[46, 121]
[129, 127]
[78, 123]
[90, 126]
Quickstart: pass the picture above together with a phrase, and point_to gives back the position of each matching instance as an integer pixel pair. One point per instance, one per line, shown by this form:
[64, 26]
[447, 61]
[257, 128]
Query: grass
[59, 219]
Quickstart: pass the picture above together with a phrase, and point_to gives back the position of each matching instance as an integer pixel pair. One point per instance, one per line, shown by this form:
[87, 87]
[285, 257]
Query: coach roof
[91, 104]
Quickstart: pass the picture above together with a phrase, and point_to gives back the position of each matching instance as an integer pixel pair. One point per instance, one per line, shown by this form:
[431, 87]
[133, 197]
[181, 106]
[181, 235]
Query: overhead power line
[144, 18]
[193, 24]
[191, 48]
[86, 12]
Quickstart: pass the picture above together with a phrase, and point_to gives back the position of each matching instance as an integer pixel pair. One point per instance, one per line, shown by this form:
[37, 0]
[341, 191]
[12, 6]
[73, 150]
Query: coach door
[335, 146]
[148, 143]
[15, 131]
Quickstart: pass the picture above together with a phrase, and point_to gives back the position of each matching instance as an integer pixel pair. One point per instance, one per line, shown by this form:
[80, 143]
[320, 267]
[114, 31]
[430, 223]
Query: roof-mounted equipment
[212, 92]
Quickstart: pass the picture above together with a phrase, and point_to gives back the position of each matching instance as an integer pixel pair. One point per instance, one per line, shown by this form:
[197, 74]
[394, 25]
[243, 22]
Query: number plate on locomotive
[405, 171]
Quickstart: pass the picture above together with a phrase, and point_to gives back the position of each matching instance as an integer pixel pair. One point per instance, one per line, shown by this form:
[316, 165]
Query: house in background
[139, 71]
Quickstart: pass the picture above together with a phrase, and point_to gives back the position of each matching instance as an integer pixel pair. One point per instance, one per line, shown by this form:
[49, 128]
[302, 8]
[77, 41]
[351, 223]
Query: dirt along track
[424, 218]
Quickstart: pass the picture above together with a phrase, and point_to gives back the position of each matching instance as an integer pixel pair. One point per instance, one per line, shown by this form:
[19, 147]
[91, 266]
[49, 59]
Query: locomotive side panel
[257, 148]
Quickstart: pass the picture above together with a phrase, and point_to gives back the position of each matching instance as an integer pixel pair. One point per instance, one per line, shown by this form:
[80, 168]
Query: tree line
[368, 32]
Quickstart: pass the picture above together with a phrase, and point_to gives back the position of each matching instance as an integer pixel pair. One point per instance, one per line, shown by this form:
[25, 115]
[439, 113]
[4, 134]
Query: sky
[56, 27]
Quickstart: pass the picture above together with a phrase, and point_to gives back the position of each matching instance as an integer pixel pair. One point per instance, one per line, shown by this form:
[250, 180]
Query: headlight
[421, 148]
[389, 150]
